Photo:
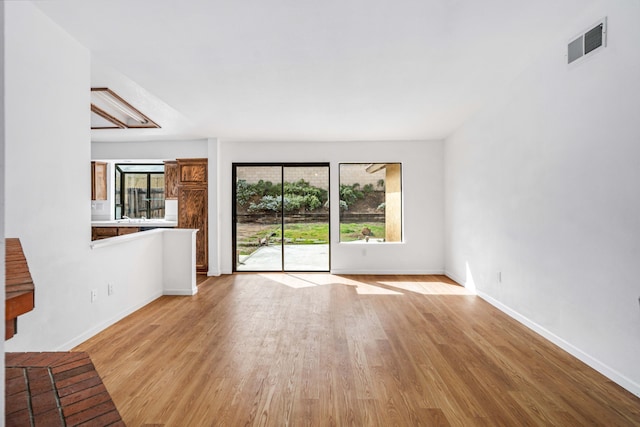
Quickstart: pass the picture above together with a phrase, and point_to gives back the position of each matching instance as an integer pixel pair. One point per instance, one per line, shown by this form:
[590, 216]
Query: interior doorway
[281, 217]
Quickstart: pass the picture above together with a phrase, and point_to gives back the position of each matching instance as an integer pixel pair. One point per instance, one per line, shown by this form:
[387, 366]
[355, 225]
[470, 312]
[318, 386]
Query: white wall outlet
[109, 289]
[94, 295]
[499, 276]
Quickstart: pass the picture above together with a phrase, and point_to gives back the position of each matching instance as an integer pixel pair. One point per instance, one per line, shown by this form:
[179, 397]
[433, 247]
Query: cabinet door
[127, 230]
[192, 171]
[170, 180]
[98, 233]
[98, 181]
[192, 213]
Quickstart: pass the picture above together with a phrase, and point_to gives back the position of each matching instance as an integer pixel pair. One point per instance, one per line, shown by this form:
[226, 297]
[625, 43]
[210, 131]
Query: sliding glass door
[258, 218]
[281, 217]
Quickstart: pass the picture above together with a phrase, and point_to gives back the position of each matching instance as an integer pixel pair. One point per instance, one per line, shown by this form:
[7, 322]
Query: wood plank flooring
[324, 350]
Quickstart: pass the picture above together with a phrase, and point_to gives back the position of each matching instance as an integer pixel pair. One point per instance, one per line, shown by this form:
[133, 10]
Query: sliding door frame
[234, 217]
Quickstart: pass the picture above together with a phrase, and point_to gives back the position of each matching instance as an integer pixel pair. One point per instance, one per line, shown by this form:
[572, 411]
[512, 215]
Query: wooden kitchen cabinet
[193, 205]
[98, 233]
[192, 213]
[170, 180]
[192, 171]
[98, 181]
[127, 230]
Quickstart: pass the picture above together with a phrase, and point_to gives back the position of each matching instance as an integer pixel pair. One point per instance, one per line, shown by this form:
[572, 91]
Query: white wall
[157, 150]
[542, 186]
[214, 207]
[2, 179]
[47, 153]
[422, 169]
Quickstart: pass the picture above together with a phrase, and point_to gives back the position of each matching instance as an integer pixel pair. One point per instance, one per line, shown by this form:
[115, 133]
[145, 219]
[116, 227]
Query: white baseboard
[104, 325]
[458, 280]
[180, 292]
[604, 369]
[387, 272]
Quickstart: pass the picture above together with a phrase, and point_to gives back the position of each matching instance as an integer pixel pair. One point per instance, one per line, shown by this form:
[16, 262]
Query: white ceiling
[309, 70]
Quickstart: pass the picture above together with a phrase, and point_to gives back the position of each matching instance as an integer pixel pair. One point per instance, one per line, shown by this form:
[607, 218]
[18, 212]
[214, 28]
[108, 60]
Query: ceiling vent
[588, 42]
[110, 111]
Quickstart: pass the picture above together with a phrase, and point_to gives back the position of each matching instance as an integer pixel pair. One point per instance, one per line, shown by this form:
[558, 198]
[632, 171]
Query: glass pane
[258, 218]
[370, 202]
[135, 195]
[306, 218]
[156, 201]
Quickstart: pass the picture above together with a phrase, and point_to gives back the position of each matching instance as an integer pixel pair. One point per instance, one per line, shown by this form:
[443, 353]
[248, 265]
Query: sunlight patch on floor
[429, 288]
[301, 280]
[292, 281]
[363, 288]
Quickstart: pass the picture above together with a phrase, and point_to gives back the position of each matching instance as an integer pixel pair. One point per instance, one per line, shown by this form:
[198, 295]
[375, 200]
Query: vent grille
[593, 39]
[588, 42]
[575, 49]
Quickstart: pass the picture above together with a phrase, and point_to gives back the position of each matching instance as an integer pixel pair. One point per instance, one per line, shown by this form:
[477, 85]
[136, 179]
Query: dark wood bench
[56, 389]
[19, 298]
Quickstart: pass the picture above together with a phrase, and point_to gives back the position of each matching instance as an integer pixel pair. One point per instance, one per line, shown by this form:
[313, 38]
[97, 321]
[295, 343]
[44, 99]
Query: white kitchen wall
[47, 192]
[542, 200]
[158, 150]
[422, 192]
[143, 151]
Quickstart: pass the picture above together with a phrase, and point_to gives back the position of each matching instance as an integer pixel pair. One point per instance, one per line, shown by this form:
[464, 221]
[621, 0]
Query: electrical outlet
[94, 295]
[109, 289]
[499, 276]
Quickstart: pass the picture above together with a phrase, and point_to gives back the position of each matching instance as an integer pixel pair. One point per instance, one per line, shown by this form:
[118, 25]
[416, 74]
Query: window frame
[118, 170]
[397, 207]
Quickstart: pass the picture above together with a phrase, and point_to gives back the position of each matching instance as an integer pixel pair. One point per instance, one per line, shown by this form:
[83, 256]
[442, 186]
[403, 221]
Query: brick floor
[56, 389]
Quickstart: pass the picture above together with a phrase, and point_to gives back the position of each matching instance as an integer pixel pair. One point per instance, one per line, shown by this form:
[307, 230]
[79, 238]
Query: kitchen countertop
[135, 223]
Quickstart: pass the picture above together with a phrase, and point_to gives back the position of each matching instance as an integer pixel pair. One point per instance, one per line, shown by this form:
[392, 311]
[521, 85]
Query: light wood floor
[316, 349]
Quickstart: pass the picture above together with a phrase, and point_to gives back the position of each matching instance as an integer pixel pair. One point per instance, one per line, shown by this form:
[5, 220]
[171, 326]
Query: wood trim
[149, 125]
[117, 124]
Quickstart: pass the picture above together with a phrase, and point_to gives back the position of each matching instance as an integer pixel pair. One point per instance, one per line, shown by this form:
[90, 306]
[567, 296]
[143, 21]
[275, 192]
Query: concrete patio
[297, 258]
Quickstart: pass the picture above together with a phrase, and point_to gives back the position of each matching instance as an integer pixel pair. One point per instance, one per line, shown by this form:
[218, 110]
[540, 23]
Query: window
[370, 202]
[139, 190]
